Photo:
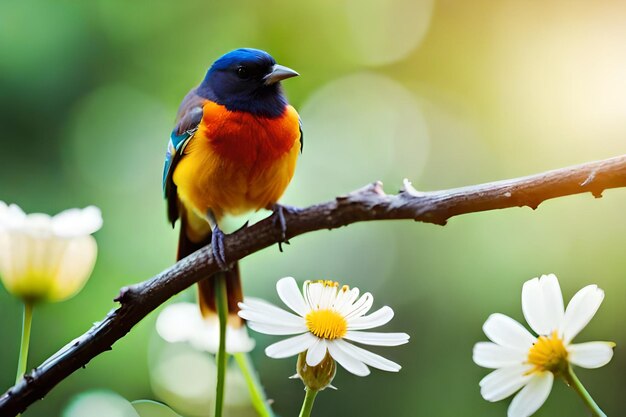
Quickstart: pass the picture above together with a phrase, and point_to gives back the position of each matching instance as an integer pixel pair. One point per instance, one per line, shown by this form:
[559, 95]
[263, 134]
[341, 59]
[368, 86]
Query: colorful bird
[233, 150]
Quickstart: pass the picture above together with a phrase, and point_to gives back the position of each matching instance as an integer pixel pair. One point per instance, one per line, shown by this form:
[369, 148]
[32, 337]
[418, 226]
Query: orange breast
[237, 162]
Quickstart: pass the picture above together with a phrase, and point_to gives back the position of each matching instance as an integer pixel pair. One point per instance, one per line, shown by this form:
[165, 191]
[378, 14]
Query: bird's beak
[279, 72]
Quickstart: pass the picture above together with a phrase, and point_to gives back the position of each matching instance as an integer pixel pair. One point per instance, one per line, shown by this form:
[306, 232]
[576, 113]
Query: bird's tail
[207, 286]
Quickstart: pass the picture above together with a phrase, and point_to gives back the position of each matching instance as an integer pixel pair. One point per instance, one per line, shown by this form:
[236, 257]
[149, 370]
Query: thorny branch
[366, 204]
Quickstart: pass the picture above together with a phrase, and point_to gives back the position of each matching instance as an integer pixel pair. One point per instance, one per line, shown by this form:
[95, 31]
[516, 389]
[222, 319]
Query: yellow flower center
[326, 283]
[548, 354]
[326, 324]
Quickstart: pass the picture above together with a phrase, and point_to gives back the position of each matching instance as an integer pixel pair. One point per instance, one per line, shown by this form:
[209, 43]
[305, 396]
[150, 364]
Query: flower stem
[26, 325]
[573, 381]
[222, 314]
[259, 401]
[307, 405]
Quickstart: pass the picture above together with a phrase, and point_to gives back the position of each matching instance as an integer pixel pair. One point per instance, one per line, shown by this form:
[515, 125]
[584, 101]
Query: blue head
[247, 80]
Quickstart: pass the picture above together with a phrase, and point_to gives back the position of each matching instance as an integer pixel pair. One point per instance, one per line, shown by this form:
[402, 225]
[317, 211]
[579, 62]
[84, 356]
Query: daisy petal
[360, 307]
[532, 396]
[262, 306]
[275, 329]
[542, 304]
[503, 382]
[490, 355]
[345, 299]
[377, 318]
[591, 354]
[76, 222]
[368, 357]
[291, 346]
[269, 316]
[289, 293]
[313, 294]
[316, 353]
[350, 363]
[329, 295]
[377, 339]
[580, 310]
[505, 331]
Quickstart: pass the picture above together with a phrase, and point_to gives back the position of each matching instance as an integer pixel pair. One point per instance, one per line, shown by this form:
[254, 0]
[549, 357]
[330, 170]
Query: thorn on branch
[407, 188]
[374, 188]
[368, 196]
[439, 221]
[123, 295]
[589, 179]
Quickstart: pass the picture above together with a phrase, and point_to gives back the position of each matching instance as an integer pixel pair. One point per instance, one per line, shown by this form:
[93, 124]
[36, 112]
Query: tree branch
[368, 203]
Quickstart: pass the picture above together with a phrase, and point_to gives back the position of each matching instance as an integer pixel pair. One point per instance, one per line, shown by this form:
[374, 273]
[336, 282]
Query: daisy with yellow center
[523, 361]
[327, 317]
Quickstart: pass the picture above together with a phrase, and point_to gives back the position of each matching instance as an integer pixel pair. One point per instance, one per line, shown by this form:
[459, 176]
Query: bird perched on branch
[233, 150]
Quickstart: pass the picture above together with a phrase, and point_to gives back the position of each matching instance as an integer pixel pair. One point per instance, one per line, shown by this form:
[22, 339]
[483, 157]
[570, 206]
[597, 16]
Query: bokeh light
[365, 125]
[569, 67]
[184, 378]
[99, 404]
[146, 408]
[385, 31]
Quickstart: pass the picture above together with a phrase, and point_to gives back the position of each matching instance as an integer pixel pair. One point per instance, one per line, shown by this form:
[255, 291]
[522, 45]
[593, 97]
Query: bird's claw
[217, 245]
[279, 220]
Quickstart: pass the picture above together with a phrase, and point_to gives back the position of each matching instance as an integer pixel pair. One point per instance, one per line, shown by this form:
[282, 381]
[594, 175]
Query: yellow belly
[251, 177]
[205, 182]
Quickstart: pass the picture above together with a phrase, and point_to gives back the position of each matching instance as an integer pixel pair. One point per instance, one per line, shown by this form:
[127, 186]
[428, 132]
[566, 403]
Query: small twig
[366, 204]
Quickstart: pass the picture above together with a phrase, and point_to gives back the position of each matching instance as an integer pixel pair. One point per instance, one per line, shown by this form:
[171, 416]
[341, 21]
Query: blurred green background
[447, 93]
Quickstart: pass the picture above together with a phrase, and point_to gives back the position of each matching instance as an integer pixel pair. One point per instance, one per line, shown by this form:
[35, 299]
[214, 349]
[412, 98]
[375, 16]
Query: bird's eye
[242, 72]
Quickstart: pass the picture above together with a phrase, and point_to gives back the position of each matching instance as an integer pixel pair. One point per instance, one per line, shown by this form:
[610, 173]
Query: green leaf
[147, 408]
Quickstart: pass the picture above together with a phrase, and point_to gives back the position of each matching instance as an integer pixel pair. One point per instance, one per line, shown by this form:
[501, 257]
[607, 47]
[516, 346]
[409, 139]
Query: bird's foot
[217, 245]
[279, 220]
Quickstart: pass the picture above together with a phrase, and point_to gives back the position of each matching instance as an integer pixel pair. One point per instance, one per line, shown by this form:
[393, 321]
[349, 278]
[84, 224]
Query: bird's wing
[189, 117]
[301, 134]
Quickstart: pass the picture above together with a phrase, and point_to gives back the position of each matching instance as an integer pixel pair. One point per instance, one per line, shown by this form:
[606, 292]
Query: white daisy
[327, 316]
[47, 258]
[183, 322]
[530, 363]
